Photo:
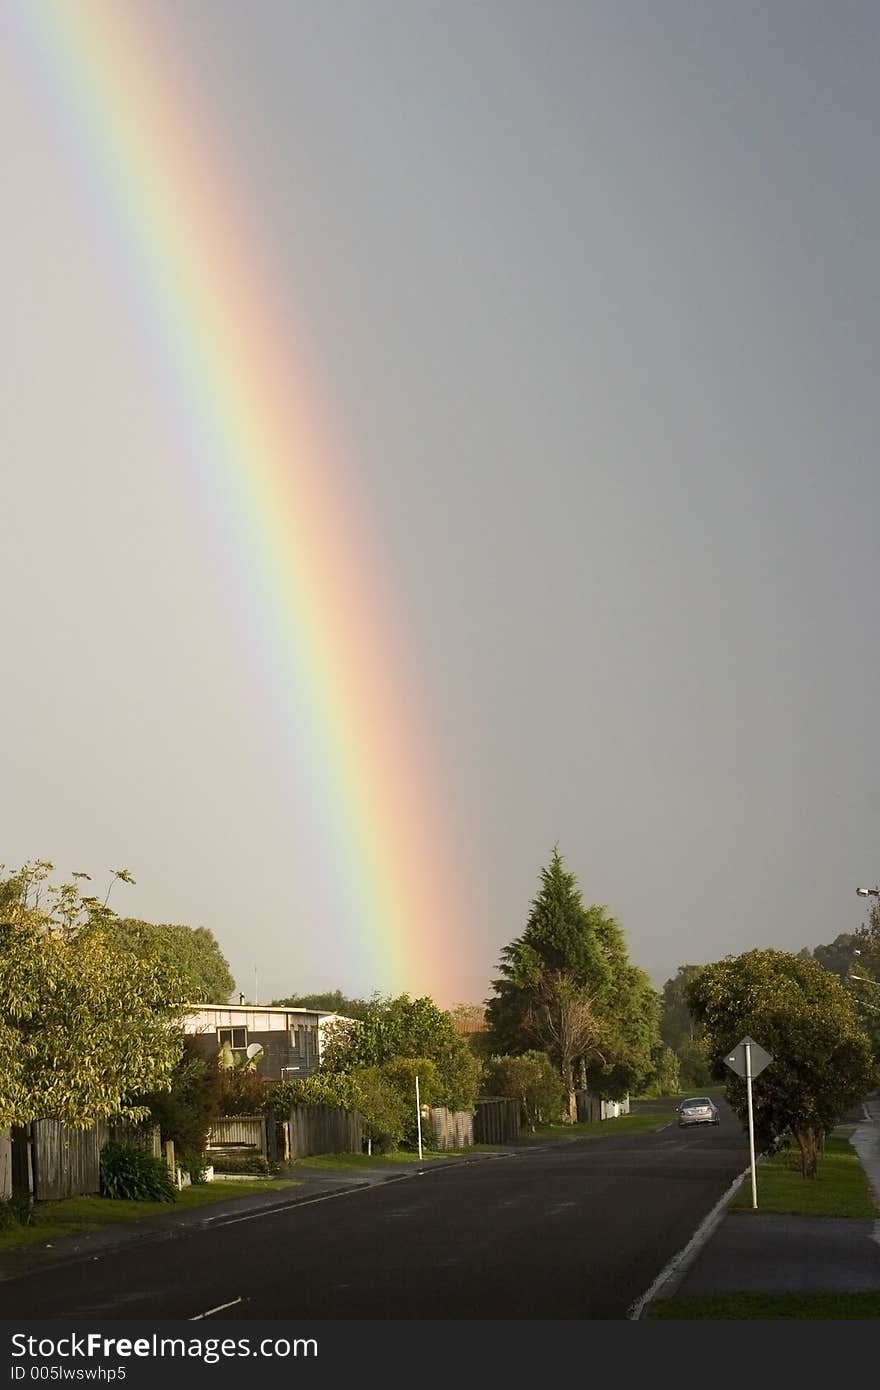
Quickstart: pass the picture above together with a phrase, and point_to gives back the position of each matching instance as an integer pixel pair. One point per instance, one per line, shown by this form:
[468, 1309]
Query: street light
[868, 892]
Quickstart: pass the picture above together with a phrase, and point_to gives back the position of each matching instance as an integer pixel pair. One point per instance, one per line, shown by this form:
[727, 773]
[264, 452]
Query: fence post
[169, 1159]
[271, 1137]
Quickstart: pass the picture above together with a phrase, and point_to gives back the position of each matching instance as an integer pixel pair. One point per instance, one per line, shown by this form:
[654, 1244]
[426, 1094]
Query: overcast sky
[591, 293]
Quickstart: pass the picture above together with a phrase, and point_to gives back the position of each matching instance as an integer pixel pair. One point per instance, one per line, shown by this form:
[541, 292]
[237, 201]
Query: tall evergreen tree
[577, 954]
[560, 935]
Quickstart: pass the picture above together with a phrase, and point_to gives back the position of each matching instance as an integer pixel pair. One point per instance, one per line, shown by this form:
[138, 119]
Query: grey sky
[591, 290]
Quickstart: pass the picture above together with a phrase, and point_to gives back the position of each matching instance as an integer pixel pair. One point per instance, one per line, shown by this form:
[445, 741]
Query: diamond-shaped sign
[736, 1058]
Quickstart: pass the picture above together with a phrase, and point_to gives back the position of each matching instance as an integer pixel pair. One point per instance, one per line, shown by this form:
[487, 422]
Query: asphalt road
[577, 1230]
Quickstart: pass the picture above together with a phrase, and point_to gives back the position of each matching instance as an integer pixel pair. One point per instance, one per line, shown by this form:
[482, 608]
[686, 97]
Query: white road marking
[219, 1309]
[217, 1221]
[560, 1209]
[699, 1237]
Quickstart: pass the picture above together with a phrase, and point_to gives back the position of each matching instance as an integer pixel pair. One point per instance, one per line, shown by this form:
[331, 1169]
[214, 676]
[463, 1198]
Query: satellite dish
[254, 1050]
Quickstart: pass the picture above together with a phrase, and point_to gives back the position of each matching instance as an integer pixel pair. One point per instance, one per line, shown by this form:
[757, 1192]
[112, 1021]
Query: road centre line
[216, 1221]
[213, 1222]
[219, 1309]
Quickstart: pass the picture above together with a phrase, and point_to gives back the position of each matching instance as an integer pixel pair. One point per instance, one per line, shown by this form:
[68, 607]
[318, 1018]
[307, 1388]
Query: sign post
[748, 1059]
[419, 1118]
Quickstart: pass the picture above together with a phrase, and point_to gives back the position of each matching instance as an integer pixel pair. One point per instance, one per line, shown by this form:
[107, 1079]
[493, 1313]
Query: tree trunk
[808, 1142]
[568, 1078]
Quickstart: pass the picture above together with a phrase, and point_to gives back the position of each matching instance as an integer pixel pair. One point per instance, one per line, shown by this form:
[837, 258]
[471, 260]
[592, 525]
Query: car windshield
[693, 1104]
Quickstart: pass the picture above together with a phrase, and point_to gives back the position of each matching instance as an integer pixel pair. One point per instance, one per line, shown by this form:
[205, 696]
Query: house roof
[257, 1008]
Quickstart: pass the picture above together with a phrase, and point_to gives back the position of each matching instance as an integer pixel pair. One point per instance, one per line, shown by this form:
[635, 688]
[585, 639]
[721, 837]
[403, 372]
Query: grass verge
[841, 1187]
[52, 1221]
[598, 1129]
[758, 1306]
[358, 1162]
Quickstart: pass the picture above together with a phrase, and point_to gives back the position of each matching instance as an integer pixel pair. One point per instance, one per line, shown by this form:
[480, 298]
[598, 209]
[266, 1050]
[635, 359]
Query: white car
[699, 1110]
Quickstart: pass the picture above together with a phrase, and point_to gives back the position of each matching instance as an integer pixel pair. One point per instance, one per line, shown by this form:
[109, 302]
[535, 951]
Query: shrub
[243, 1092]
[411, 1029]
[665, 1076]
[15, 1211]
[129, 1172]
[324, 1088]
[195, 1165]
[401, 1073]
[241, 1163]
[532, 1080]
[186, 1112]
[385, 1113]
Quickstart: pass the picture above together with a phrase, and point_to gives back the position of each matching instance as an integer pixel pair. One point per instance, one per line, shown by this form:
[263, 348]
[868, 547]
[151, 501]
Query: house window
[236, 1037]
[303, 1040]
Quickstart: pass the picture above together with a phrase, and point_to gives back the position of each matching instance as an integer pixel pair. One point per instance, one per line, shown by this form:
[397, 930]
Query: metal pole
[419, 1118]
[751, 1126]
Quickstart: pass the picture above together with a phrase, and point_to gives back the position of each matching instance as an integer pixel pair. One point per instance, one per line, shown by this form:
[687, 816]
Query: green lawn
[840, 1189]
[758, 1306]
[53, 1220]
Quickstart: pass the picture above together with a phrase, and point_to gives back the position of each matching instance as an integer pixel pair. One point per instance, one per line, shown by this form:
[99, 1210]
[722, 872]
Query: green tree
[567, 984]
[400, 1074]
[192, 951]
[378, 1098]
[560, 935]
[855, 958]
[665, 1078]
[84, 1029]
[332, 1001]
[804, 1016]
[681, 1032]
[405, 1027]
[563, 1019]
[677, 1023]
[533, 1080]
[242, 1091]
[629, 1008]
[694, 1064]
[186, 1111]
[386, 1112]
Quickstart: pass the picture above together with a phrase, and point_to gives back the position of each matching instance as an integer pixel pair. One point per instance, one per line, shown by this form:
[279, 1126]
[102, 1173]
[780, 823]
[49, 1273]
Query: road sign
[736, 1059]
[747, 1059]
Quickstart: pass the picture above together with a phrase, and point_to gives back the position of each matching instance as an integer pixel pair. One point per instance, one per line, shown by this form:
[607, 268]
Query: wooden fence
[496, 1120]
[245, 1132]
[65, 1161]
[324, 1129]
[452, 1129]
[51, 1160]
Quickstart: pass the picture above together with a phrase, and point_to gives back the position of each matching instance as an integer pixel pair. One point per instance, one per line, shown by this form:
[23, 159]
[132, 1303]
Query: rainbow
[166, 198]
